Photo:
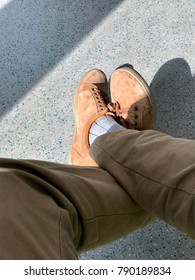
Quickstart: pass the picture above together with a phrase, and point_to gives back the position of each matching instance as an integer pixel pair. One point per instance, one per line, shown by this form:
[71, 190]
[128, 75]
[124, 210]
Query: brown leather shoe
[132, 99]
[90, 102]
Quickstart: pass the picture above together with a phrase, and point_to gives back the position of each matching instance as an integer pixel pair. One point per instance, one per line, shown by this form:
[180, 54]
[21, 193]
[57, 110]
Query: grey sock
[103, 125]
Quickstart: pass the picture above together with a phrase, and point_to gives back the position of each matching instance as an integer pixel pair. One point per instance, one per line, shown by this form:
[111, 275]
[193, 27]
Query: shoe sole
[144, 84]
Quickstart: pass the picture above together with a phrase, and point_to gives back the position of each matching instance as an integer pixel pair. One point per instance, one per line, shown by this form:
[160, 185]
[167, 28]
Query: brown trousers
[54, 211]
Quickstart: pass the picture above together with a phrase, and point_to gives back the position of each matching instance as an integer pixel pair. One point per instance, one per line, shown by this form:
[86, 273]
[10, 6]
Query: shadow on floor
[36, 35]
[173, 87]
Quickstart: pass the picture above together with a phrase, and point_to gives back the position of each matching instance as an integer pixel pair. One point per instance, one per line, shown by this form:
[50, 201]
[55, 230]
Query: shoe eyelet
[136, 108]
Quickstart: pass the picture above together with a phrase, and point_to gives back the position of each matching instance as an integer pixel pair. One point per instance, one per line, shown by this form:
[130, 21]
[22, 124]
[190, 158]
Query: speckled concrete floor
[46, 46]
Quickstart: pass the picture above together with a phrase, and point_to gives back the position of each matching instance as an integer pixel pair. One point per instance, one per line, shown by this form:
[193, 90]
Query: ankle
[102, 125]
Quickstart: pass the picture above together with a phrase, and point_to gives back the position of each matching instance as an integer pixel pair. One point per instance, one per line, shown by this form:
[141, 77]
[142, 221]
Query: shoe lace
[101, 97]
[130, 122]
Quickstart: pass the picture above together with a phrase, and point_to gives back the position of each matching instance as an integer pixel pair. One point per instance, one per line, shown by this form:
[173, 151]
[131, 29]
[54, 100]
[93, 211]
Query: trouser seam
[59, 226]
[111, 215]
[99, 216]
[140, 174]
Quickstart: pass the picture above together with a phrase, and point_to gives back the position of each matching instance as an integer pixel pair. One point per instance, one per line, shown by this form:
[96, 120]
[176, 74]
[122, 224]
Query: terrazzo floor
[46, 46]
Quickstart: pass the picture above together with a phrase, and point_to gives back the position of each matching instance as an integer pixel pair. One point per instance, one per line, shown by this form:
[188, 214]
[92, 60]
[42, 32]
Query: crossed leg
[54, 211]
